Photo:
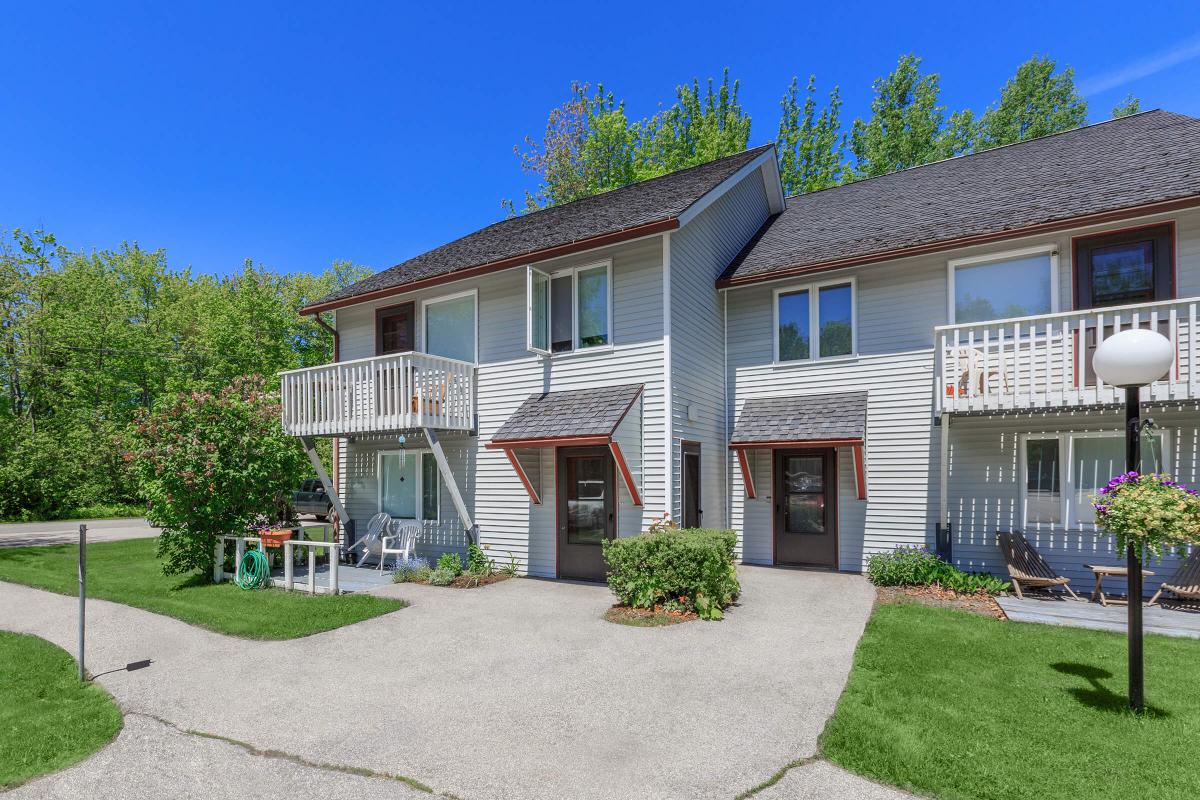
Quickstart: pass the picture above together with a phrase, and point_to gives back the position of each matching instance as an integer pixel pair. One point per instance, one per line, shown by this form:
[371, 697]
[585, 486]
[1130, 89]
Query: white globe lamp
[1132, 359]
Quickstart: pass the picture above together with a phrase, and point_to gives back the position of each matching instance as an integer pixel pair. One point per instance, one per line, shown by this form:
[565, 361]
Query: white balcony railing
[1046, 361]
[385, 393]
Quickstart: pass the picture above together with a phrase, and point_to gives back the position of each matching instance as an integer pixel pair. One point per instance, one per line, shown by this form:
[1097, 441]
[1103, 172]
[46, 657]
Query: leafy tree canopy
[810, 143]
[1130, 105]
[1037, 101]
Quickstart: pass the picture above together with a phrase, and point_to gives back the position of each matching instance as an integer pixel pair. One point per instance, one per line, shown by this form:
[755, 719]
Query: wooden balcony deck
[395, 392]
[1045, 362]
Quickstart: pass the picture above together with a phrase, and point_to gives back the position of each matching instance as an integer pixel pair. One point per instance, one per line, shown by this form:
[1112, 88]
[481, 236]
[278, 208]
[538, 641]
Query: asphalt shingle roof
[801, 418]
[558, 415]
[1124, 163]
[639, 204]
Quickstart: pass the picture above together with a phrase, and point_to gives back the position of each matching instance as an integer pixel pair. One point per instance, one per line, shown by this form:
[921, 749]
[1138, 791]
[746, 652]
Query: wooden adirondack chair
[1026, 565]
[1185, 583]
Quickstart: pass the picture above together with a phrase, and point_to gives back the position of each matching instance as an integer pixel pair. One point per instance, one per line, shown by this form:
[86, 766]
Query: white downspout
[668, 389]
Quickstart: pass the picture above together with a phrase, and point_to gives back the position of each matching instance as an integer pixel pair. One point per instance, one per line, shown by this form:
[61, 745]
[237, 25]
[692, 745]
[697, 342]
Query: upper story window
[815, 321]
[394, 328]
[569, 309]
[450, 326]
[1134, 266]
[1019, 283]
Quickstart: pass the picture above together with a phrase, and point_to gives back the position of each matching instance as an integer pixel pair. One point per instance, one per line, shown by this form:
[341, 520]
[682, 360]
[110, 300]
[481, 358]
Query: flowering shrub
[211, 464]
[412, 569]
[1149, 511]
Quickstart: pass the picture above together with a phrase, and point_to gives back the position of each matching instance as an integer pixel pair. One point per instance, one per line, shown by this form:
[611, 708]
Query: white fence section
[288, 581]
[1046, 361]
[385, 393]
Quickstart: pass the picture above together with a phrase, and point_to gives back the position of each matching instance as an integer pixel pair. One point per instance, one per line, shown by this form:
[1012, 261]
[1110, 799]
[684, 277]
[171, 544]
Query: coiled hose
[255, 571]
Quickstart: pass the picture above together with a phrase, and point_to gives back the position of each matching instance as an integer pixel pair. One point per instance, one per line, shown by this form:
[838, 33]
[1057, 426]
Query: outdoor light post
[1130, 360]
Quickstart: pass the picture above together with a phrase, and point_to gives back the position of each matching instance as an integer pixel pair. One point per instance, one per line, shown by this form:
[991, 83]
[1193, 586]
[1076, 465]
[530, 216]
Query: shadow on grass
[1099, 696]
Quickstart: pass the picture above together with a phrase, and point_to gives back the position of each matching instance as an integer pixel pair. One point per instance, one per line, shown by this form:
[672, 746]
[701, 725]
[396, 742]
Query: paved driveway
[21, 534]
[517, 690]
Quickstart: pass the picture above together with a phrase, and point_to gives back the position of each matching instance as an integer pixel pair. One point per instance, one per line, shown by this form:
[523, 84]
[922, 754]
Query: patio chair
[370, 542]
[401, 540]
[972, 375]
[1185, 583]
[1026, 567]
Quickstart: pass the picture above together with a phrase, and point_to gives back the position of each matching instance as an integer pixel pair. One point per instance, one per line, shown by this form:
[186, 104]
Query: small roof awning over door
[572, 418]
[811, 420]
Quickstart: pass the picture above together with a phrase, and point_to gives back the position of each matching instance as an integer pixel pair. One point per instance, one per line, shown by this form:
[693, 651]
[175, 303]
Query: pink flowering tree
[1153, 512]
[210, 464]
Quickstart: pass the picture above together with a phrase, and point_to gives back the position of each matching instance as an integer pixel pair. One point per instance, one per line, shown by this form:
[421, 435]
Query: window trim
[1006, 255]
[420, 453]
[424, 320]
[814, 320]
[576, 348]
[1066, 477]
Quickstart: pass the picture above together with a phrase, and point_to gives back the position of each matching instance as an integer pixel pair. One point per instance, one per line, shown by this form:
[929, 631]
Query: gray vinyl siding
[984, 494]
[509, 523]
[898, 304]
[700, 251]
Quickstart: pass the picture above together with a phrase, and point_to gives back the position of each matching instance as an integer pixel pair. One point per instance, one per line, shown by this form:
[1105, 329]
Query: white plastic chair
[971, 371]
[401, 542]
[370, 542]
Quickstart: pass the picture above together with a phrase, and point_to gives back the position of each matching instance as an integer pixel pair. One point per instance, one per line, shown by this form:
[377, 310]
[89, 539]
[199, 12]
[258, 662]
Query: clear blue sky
[298, 133]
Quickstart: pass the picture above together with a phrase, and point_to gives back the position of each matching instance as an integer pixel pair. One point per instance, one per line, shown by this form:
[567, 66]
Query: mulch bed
[976, 603]
[466, 581]
[647, 617]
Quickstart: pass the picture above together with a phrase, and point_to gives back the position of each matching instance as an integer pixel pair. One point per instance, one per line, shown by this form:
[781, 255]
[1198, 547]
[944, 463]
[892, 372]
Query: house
[900, 361]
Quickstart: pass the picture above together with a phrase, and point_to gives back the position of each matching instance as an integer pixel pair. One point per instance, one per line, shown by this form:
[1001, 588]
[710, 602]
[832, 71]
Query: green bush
[689, 569]
[450, 562]
[441, 577]
[477, 561]
[916, 566]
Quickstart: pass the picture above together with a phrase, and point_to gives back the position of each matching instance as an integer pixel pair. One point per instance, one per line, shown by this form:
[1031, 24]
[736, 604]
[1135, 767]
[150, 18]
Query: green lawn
[48, 719]
[128, 572]
[956, 705]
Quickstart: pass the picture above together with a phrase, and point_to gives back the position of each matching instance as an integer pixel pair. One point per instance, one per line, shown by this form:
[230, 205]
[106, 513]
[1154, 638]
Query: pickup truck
[311, 499]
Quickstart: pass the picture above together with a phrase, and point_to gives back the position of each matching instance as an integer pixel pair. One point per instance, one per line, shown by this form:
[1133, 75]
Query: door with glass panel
[806, 507]
[586, 511]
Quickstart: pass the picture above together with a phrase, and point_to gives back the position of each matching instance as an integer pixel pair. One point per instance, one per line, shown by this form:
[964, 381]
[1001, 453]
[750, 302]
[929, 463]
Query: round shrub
[691, 569]
[441, 577]
[450, 562]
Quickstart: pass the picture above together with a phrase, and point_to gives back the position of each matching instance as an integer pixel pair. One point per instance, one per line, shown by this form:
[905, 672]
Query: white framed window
[569, 310]
[409, 484]
[1060, 472]
[1015, 283]
[450, 326]
[816, 320]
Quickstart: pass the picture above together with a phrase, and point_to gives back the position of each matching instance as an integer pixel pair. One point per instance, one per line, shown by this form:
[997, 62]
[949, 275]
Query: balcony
[1045, 362]
[375, 395]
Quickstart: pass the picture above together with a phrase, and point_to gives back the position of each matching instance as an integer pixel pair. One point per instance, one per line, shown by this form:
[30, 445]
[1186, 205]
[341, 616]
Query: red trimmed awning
[569, 419]
[816, 421]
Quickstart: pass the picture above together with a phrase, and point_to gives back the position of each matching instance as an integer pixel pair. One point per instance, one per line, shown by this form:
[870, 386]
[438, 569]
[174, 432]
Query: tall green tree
[696, 129]
[907, 124]
[810, 144]
[1036, 101]
[1130, 105]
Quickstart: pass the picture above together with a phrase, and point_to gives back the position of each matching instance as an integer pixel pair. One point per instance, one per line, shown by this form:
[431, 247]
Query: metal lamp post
[1132, 359]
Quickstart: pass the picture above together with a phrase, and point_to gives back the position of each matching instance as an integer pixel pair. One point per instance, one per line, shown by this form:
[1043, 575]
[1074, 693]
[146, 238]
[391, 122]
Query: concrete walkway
[517, 690]
[23, 534]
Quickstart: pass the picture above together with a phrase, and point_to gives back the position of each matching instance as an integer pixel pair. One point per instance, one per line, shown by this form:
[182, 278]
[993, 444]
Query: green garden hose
[255, 571]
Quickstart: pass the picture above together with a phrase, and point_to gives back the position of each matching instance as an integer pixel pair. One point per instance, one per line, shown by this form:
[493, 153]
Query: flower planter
[275, 538]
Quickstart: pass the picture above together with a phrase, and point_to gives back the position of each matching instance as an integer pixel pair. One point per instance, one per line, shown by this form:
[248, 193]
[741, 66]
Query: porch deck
[1171, 621]
[351, 579]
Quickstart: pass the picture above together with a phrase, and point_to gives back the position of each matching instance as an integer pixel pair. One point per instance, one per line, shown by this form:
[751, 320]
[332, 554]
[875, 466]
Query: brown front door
[693, 513]
[806, 507]
[586, 511]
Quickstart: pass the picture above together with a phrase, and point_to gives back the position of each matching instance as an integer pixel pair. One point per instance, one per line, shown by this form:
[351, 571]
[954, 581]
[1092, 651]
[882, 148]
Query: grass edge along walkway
[128, 572]
[49, 720]
[955, 705]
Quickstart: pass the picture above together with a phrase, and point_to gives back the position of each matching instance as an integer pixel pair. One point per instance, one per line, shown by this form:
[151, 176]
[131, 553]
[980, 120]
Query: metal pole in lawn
[1133, 558]
[82, 594]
